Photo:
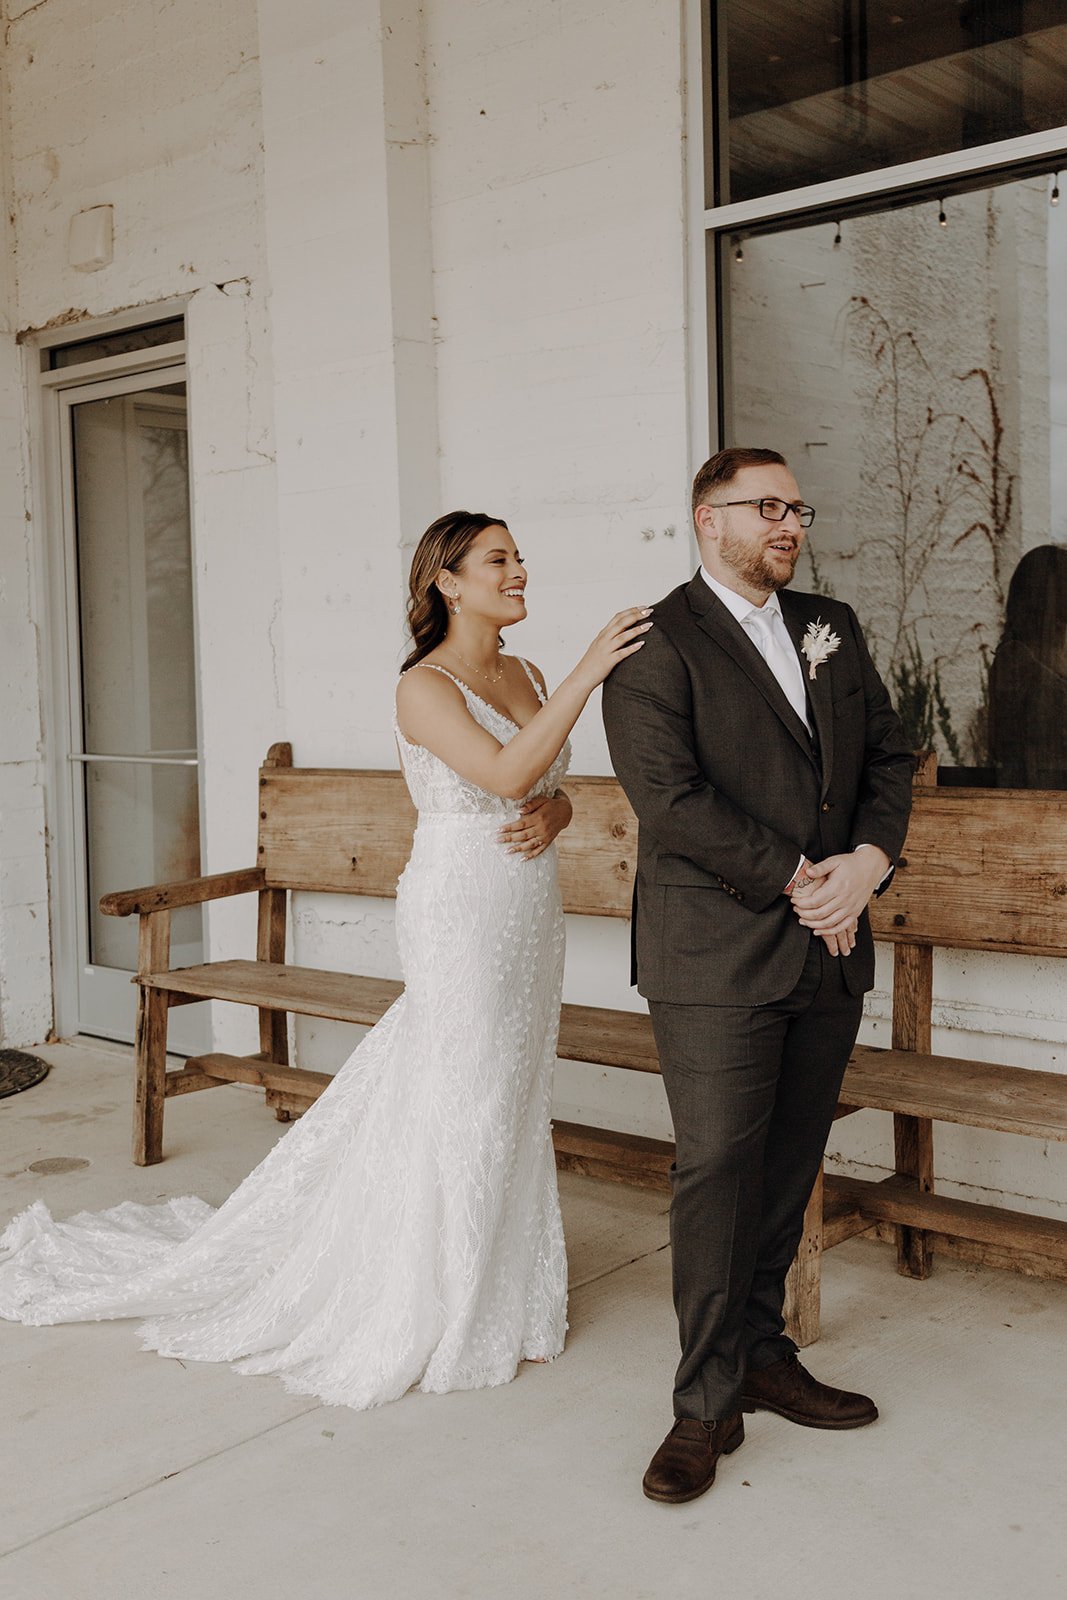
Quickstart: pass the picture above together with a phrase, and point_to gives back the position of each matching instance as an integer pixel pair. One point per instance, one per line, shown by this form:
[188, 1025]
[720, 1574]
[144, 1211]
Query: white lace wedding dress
[407, 1229]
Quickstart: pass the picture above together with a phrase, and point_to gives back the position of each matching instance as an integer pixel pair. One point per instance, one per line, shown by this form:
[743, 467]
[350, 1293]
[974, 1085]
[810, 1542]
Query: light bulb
[942, 219]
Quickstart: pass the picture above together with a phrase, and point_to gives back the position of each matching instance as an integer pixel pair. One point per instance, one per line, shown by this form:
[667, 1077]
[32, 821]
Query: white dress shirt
[766, 627]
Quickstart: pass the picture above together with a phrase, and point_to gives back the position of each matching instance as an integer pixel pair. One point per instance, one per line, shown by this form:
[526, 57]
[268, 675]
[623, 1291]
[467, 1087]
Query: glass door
[133, 756]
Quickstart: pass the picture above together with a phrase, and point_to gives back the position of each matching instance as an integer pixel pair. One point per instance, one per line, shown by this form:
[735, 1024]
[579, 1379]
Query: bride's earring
[453, 604]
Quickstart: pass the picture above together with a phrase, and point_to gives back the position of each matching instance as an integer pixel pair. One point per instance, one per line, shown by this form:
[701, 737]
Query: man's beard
[751, 566]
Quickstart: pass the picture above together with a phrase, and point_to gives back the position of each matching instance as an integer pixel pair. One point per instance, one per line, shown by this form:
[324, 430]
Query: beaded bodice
[436, 789]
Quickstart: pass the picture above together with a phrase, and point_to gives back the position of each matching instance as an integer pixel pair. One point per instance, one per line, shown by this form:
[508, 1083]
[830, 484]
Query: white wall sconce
[91, 243]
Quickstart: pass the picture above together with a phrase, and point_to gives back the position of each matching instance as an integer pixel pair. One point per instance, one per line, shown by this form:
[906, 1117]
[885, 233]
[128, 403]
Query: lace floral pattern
[407, 1229]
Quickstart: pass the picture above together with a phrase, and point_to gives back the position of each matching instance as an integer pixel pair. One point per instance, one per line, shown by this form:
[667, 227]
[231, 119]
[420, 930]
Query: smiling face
[491, 581]
[740, 547]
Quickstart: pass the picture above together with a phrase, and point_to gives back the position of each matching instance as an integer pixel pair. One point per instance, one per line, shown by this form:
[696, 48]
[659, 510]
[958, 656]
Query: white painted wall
[435, 255]
[25, 972]
[559, 250]
[150, 106]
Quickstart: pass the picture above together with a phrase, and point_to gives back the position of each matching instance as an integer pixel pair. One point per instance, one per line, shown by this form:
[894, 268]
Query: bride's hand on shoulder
[539, 822]
[623, 636]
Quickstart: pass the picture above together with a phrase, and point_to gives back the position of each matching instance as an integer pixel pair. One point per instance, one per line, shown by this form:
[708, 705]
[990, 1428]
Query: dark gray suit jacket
[729, 788]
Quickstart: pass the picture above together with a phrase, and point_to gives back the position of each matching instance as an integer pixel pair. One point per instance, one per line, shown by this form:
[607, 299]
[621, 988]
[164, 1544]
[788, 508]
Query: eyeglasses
[773, 510]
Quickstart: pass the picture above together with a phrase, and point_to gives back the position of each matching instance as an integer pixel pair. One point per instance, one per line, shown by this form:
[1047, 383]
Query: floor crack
[596, 1277]
[165, 1477]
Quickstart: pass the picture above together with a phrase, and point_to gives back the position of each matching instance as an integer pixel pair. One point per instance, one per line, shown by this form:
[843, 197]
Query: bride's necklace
[490, 677]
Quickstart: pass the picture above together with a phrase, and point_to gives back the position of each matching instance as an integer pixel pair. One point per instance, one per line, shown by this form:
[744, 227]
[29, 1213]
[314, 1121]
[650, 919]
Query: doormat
[19, 1070]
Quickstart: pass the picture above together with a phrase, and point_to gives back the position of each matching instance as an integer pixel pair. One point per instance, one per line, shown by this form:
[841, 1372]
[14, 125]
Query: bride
[406, 1230]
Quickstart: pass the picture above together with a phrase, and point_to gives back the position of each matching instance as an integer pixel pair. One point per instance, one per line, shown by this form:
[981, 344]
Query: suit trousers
[752, 1092]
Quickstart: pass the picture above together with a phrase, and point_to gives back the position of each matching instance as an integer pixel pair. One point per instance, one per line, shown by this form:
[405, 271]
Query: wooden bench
[980, 873]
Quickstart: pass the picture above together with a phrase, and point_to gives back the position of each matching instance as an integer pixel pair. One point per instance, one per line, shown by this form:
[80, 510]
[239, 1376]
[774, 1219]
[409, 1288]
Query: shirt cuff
[796, 874]
[889, 869]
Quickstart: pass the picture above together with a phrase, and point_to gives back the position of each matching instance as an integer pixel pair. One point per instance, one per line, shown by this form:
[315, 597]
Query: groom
[772, 783]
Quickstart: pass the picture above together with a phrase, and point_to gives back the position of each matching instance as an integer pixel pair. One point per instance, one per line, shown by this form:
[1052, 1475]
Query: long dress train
[407, 1229]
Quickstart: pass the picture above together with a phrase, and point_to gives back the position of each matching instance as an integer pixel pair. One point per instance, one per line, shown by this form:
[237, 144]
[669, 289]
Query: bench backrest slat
[985, 869]
[342, 831]
[349, 832]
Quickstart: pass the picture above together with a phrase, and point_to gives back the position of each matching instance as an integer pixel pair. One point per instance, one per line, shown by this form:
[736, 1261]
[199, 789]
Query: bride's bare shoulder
[421, 686]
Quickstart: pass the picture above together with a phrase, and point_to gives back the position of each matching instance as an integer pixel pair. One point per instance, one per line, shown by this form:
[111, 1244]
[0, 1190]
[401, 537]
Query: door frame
[49, 397]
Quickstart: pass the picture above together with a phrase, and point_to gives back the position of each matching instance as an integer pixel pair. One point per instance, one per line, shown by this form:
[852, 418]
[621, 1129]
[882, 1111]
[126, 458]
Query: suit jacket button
[827, 806]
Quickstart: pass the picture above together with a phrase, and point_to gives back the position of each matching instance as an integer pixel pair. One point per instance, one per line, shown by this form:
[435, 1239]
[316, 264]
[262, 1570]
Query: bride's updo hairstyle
[445, 544]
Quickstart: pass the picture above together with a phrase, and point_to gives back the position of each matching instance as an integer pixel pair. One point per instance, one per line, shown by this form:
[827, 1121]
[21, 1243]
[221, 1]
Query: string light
[942, 219]
[739, 252]
[1054, 197]
[837, 235]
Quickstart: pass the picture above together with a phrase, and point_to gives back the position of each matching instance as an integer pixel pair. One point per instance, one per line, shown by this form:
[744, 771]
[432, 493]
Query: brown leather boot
[684, 1465]
[789, 1390]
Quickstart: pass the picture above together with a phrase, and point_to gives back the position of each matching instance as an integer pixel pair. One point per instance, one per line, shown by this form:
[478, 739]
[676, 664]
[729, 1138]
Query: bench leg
[274, 1047]
[802, 1285]
[913, 1137]
[153, 955]
[151, 1067]
[913, 1141]
[270, 946]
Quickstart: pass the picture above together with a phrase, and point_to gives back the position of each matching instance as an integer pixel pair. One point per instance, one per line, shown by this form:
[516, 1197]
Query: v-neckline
[488, 704]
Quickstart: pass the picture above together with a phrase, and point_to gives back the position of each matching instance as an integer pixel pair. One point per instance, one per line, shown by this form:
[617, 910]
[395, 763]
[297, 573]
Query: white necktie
[765, 629]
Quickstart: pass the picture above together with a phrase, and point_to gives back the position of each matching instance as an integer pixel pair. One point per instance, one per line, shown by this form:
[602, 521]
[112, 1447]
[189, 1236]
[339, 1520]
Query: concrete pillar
[349, 259]
[25, 965]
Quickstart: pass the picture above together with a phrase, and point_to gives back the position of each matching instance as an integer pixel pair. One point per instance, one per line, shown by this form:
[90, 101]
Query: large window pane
[135, 589]
[837, 87]
[135, 603]
[915, 376]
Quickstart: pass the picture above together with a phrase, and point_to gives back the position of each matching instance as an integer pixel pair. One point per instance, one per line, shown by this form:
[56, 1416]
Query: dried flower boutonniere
[818, 643]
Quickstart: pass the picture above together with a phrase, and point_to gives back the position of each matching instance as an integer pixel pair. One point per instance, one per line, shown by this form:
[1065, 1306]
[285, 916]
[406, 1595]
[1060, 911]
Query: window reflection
[915, 376]
[837, 87]
[1028, 677]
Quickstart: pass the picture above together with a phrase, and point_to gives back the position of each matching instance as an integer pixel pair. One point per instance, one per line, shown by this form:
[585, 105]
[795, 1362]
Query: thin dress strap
[533, 680]
[433, 667]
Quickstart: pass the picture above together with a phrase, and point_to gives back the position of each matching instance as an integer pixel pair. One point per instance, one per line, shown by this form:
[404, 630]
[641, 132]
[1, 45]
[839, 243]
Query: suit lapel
[717, 622]
[796, 612]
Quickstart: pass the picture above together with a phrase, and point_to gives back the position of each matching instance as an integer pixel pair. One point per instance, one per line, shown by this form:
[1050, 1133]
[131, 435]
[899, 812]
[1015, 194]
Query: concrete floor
[128, 1475]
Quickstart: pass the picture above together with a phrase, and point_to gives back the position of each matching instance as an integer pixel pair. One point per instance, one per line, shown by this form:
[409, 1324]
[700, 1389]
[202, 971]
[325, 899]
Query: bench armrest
[190, 892]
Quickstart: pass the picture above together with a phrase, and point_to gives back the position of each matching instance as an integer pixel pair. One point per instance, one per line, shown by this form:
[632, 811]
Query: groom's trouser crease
[752, 1093]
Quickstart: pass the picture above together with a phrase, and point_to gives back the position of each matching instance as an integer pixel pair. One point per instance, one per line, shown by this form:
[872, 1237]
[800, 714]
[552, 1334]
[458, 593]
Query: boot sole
[748, 1406]
[694, 1494]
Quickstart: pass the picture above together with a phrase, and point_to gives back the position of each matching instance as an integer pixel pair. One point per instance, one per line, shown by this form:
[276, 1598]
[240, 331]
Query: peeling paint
[62, 319]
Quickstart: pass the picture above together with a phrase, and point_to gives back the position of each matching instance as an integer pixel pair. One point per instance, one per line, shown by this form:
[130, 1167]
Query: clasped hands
[538, 823]
[831, 902]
